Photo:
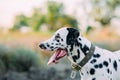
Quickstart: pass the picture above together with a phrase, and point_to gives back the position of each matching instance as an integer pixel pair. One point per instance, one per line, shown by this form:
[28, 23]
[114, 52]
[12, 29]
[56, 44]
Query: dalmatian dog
[101, 65]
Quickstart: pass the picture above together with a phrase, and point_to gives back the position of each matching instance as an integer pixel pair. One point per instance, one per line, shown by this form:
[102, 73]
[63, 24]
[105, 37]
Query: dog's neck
[84, 45]
[79, 49]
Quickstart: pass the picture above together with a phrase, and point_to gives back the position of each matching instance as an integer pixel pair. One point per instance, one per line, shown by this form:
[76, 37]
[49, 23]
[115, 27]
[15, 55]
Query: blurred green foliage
[4, 57]
[54, 18]
[89, 29]
[104, 10]
[20, 20]
[18, 59]
[22, 59]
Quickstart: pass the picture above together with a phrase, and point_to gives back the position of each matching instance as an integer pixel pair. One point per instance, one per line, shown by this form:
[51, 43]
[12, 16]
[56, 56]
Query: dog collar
[78, 66]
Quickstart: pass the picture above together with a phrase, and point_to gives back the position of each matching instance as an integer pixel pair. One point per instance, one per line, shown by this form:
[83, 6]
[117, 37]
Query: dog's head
[61, 40]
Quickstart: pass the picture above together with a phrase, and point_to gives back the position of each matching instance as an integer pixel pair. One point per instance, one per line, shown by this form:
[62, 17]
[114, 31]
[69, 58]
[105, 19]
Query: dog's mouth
[60, 53]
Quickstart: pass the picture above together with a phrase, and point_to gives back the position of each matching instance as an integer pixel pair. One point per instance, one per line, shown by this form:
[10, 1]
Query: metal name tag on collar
[73, 74]
[75, 68]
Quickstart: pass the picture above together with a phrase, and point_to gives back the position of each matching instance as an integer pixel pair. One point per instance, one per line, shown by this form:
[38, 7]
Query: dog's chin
[59, 53]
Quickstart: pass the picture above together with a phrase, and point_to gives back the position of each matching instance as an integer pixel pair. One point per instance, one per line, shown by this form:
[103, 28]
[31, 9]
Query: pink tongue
[57, 55]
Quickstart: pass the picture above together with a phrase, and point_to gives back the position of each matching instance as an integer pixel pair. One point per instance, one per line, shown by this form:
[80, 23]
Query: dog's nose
[42, 46]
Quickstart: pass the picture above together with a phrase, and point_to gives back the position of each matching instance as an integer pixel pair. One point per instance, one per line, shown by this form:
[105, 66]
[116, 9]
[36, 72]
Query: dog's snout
[42, 46]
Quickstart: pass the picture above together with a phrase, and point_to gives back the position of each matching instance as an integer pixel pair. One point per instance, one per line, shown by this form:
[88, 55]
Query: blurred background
[25, 23]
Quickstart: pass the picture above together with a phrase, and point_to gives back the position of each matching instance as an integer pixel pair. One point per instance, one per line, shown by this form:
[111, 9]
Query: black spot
[82, 74]
[48, 45]
[96, 66]
[93, 61]
[96, 55]
[51, 47]
[94, 79]
[80, 39]
[78, 53]
[105, 63]
[75, 57]
[56, 44]
[109, 60]
[61, 39]
[59, 44]
[57, 36]
[80, 45]
[100, 65]
[58, 40]
[71, 48]
[92, 71]
[87, 72]
[85, 49]
[115, 65]
[108, 70]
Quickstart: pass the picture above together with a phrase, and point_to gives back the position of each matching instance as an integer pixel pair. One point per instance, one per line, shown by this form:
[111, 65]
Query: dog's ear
[72, 35]
[76, 34]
